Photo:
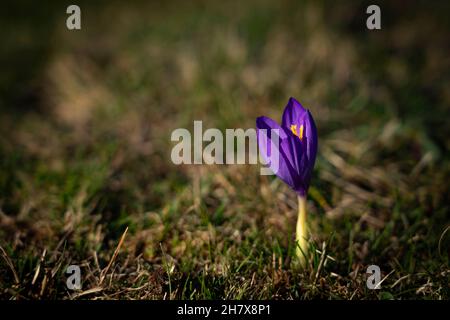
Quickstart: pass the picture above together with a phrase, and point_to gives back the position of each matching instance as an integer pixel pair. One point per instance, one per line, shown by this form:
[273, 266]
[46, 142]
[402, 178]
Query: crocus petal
[295, 114]
[295, 150]
[310, 138]
[286, 170]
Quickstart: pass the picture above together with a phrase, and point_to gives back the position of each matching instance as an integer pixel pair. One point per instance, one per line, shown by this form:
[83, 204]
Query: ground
[86, 176]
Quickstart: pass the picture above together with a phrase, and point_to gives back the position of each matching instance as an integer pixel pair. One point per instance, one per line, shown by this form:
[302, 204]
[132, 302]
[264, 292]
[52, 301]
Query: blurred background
[86, 119]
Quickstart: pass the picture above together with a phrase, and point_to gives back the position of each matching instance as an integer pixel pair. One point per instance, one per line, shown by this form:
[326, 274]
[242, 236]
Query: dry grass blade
[10, 264]
[322, 260]
[38, 267]
[116, 252]
[379, 283]
[440, 239]
[400, 280]
[93, 290]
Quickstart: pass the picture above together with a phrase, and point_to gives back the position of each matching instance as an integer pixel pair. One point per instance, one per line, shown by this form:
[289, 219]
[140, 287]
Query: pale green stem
[302, 231]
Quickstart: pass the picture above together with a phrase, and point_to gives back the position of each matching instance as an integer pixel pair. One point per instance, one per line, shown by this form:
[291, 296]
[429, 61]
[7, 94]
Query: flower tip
[292, 99]
[295, 103]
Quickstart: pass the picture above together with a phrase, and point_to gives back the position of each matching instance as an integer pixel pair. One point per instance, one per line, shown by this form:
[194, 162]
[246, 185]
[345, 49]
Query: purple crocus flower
[294, 144]
[297, 146]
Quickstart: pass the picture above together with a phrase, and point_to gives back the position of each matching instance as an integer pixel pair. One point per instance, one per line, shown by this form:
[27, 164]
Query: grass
[85, 153]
